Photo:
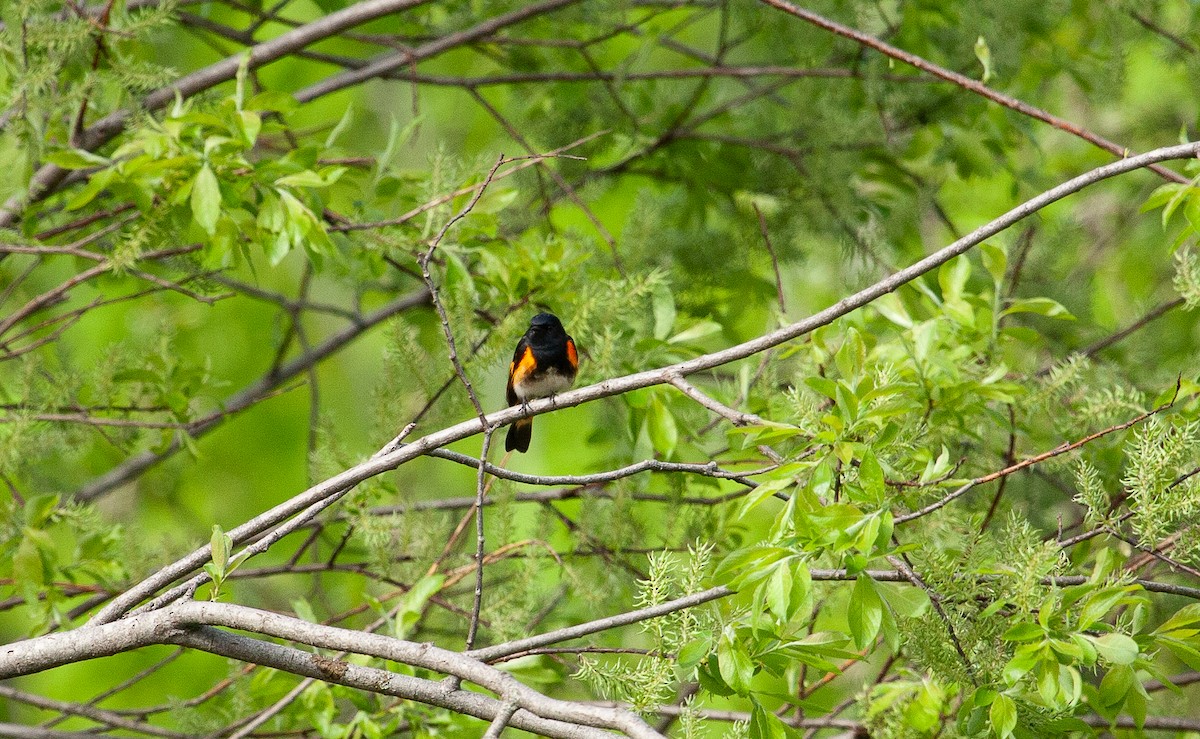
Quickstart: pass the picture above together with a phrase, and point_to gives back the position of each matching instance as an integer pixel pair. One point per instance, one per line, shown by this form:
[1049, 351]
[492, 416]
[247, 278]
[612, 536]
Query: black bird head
[546, 326]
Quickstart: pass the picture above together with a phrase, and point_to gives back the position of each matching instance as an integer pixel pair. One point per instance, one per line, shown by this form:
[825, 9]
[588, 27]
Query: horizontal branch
[390, 62]
[374, 680]
[110, 719]
[592, 490]
[499, 651]
[18, 731]
[708, 469]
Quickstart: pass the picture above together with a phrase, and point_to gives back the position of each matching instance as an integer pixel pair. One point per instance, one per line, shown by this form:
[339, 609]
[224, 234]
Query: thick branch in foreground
[175, 625]
[325, 493]
[299, 662]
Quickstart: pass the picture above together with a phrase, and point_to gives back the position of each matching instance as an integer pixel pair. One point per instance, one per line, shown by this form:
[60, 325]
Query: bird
[544, 363]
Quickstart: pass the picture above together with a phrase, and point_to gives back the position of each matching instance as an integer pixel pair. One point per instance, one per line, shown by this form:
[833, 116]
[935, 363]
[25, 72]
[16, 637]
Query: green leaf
[747, 566]
[206, 200]
[761, 493]
[696, 332]
[27, 566]
[984, 55]
[891, 307]
[766, 725]
[1115, 686]
[96, 184]
[304, 610]
[495, 199]
[1187, 654]
[1163, 195]
[309, 178]
[736, 668]
[1117, 648]
[251, 124]
[865, 613]
[1040, 306]
[852, 355]
[936, 468]
[952, 277]
[870, 477]
[272, 101]
[709, 677]
[243, 72]
[414, 603]
[660, 424]
[995, 261]
[1187, 617]
[1025, 632]
[76, 159]
[663, 302]
[341, 126]
[778, 592]
[695, 651]
[1098, 605]
[1175, 201]
[39, 508]
[220, 544]
[1003, 715]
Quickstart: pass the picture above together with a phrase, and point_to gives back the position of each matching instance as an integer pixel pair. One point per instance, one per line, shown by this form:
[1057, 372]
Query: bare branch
[967, 83]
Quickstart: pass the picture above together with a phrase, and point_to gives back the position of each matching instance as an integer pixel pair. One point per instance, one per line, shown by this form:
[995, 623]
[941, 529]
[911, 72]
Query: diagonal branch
[325, 493]
[267, 384]
[967, 83]
[49, 176]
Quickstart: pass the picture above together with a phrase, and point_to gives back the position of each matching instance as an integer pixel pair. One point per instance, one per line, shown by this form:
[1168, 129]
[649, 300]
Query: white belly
[549, 383]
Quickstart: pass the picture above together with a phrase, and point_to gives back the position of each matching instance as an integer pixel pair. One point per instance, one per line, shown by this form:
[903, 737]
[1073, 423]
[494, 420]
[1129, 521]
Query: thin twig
[1058, 450]
[966, 83]
[766, 234]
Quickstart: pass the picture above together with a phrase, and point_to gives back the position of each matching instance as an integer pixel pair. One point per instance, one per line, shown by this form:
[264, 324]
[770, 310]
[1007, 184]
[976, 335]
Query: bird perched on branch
[545, 363]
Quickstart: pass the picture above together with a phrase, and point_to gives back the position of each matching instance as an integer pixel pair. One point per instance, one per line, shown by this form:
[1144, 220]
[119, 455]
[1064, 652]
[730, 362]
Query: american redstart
[544, 363]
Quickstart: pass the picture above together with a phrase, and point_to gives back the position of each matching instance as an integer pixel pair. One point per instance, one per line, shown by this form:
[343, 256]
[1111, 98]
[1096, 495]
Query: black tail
[519, 435]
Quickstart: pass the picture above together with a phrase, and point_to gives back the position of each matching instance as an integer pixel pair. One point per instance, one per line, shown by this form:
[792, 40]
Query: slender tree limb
[569, 493]
[391, 62]
[1029, 462]
[499, 651]
[710, 469]
[966, 83]
[520, 163]
[108, 719]
[268, 383]
[17, 731]
[503, 717]
[736, 417]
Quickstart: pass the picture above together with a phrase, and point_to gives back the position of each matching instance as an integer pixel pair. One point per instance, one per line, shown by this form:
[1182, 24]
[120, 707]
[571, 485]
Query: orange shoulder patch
[572, 355]
[518, 371]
